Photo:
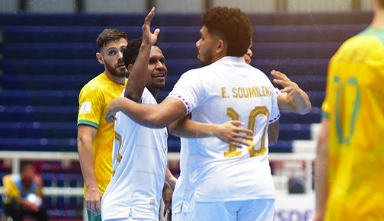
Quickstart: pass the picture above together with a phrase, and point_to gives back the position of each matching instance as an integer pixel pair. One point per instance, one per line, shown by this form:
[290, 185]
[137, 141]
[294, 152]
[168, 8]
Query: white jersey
[139, 164]
[229, 89]
[182, 192]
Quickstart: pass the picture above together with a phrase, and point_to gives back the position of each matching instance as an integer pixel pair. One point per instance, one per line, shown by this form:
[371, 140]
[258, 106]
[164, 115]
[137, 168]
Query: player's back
[230, 89]
[354, 105]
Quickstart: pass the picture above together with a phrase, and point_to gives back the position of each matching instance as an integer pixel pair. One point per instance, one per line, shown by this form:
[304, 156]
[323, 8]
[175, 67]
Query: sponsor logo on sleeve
[86, 108]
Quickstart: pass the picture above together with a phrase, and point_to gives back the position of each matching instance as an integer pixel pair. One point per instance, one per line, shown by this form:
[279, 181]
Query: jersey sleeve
[91, 106]
[275, 112]
[325, 107]
[188, 90]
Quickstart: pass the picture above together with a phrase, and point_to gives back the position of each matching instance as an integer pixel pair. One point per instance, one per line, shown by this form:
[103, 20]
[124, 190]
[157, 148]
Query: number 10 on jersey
[258, 110]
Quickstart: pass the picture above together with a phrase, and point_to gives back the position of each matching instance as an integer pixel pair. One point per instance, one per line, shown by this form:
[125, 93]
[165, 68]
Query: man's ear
[129, 68]
[99, 58]
[221, 47]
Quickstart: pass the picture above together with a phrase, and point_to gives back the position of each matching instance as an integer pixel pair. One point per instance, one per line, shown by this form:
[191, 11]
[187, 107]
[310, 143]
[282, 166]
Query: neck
[153, 91]
[218, 57]
[378, 19]
[117, 80]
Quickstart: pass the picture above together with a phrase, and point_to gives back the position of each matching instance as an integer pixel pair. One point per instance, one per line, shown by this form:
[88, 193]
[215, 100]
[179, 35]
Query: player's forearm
[144, 115]
[152, 116]
[321, 171]
[138, 75]
[302, 104]
[86, 157]
[273, 132]
[298, 103]
[188, 128]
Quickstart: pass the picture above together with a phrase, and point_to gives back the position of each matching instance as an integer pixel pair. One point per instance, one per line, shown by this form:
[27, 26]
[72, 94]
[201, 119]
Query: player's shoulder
[257, 73]
[94, 86]
[375, 33]
[370, 37]
[195, 73]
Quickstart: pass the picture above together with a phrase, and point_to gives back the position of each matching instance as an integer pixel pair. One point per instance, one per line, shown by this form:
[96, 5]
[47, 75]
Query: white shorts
[247, 210]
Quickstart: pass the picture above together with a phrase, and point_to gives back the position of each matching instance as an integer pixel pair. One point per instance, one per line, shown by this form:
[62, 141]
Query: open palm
[148, 36]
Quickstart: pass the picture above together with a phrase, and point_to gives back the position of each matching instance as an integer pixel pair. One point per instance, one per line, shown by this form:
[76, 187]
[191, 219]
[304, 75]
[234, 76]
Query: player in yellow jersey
[95, 136]
[350, 151]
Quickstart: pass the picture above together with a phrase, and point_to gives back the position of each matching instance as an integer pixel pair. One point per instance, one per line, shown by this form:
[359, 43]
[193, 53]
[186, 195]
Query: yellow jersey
[354, 105]
[13, 187]
[93, 100]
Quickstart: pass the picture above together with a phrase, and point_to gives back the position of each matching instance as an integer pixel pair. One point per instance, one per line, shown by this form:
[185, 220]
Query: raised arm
[292, 97]
[138, 74]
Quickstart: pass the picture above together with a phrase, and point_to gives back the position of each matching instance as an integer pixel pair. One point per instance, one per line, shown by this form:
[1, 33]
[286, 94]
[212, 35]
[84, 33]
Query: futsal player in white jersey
[139, 157]
[228, 183]
[139, 153]
[291, 98]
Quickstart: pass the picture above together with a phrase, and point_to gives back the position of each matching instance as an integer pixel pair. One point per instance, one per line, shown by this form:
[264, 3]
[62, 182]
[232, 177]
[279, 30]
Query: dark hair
[24, 164]
[132, 51]
[232, 25]
[109, 35]
[381, 3]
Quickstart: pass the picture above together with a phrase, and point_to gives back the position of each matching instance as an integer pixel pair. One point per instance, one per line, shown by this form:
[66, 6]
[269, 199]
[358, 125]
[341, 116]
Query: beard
[115, 71]
[206, 60]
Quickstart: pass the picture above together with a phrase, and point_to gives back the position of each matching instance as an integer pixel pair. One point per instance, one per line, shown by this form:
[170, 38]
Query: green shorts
[93, 217]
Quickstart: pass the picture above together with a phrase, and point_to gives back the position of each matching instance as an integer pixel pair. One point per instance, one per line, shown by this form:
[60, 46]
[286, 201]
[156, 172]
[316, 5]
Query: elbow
[80, 142]
[172, 128]
[154, 121]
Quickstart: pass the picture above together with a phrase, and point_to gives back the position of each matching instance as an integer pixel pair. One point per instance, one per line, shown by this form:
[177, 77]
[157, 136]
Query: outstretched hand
[231, 132]
[149, 37]
[290, 87]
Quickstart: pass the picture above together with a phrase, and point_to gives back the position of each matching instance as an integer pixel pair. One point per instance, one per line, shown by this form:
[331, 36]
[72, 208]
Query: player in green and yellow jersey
[95, 136]
[350, 152]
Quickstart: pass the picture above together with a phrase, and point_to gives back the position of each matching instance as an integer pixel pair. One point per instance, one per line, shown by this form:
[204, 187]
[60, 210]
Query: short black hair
[132, 51]
[24, 164]
[233, 26]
